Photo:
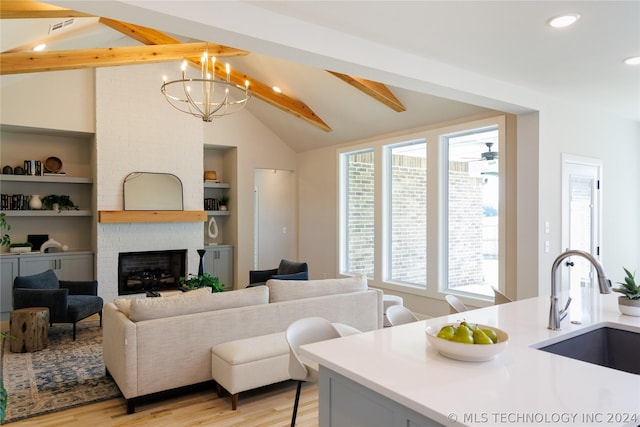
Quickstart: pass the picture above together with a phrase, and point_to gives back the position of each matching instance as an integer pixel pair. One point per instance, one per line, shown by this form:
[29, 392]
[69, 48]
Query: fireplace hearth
[139, 272]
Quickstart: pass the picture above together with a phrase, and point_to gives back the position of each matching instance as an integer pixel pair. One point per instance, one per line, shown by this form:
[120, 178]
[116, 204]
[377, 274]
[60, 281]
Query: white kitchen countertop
[522, 386]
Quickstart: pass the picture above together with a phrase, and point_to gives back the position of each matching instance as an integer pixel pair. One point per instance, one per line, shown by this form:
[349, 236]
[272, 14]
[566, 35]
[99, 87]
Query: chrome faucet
[555, 314]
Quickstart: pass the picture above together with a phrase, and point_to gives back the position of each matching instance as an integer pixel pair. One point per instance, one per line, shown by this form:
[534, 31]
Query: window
[357, 213]
[472, 210]
[406, 215]
[423, 212]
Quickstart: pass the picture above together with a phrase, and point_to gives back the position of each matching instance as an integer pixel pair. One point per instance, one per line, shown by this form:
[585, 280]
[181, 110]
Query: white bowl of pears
[467, 341]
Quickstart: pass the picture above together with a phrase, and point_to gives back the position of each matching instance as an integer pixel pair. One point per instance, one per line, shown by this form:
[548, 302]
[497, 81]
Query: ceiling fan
[489, 155]
[487, 164]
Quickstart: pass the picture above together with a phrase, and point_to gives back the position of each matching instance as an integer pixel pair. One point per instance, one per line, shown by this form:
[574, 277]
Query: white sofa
[157, 344]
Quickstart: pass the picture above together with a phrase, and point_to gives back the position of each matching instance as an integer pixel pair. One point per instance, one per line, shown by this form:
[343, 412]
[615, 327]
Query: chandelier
[205, 96]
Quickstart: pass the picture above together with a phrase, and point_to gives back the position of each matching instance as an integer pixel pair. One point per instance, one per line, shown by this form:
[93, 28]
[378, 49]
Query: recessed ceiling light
[563, 20]
[634, 60]
[40, 47]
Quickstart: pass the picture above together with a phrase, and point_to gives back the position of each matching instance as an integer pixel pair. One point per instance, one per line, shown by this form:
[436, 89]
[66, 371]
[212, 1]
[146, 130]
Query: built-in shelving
[47, 213]
[221, 185]
[46, 179]
[76, 153]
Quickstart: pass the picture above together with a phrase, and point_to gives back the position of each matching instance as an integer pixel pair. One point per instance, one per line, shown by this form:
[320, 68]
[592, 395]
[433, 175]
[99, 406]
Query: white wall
[568, 129]
[257, 148]
[56, 100]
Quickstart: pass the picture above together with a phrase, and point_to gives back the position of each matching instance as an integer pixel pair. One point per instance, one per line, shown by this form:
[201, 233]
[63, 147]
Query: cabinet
[66, 265]
[344, 402]
[218, 261]
[8, 272]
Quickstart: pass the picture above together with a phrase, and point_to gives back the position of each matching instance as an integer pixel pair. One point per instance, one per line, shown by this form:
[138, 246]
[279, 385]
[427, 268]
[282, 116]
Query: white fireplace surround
[142, 134]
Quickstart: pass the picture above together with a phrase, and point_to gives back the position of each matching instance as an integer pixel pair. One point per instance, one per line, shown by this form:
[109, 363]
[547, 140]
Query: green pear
[491, 334]
[479, 337]
[447, 332]
[471, 326]
[463, 335]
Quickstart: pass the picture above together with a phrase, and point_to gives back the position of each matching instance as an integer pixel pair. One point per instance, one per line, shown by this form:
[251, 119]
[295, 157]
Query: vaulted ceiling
[319, 107]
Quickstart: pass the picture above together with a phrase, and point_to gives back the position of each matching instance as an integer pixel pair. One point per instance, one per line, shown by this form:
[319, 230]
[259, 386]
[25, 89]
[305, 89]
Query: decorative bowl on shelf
[53, 164]
[210, 176]
[467, 352]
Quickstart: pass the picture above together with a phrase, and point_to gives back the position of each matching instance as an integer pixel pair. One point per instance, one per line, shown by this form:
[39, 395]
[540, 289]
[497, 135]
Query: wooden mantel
[112, 217]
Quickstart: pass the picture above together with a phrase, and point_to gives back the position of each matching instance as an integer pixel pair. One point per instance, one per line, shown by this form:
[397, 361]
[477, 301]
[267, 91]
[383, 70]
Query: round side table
[30, 329]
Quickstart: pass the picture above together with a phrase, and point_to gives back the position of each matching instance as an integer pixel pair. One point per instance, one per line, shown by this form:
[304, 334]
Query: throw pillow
[124, 304]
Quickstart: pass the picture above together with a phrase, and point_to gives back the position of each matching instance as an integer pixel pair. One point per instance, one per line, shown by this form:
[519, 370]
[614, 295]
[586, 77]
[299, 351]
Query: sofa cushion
[287, 290]
[124, 304]
[155, 308]
[249, 350]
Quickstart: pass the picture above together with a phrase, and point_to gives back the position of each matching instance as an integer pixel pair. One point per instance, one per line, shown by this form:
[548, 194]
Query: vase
[35, 202]
[630, 307]
[201, 252]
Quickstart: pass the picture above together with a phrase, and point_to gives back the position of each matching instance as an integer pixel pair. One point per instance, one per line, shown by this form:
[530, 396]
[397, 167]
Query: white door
[274, 217]
[581, 223]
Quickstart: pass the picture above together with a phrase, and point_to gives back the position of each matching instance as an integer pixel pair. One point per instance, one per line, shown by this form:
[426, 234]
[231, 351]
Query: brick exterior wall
[360, 211]
[409, 207]
[409, 219]
[465, 227]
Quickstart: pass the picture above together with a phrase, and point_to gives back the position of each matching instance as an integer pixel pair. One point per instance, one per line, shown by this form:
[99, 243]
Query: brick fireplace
[150, 271]
[142, 135]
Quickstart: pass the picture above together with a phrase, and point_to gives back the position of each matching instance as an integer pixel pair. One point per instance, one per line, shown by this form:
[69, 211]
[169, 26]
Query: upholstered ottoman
[250, 363]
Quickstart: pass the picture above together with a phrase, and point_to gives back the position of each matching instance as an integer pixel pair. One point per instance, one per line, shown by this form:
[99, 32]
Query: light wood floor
[266, 407]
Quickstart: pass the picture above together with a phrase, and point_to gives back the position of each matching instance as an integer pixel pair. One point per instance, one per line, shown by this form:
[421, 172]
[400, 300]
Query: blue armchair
[287, 270]
[67, 301]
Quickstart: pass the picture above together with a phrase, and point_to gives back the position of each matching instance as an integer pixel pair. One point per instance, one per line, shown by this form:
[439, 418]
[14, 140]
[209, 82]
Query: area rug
[64, 375]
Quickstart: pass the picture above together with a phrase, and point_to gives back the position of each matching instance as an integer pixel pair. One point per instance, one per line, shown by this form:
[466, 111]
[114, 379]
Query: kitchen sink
[607, 344]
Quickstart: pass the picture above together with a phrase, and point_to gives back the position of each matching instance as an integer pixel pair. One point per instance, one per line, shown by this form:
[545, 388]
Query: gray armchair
[287, 270]
[67, 301]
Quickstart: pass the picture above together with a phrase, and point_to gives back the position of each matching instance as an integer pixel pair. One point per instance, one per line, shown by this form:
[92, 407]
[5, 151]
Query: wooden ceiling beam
[22, 9]
[33, 62]
[258, 89]
[267, 94]
[377, 91]
[150, 36]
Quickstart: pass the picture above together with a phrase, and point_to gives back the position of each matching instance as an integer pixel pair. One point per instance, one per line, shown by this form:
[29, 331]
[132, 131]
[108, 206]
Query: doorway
[581, 222]
[275, 227]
